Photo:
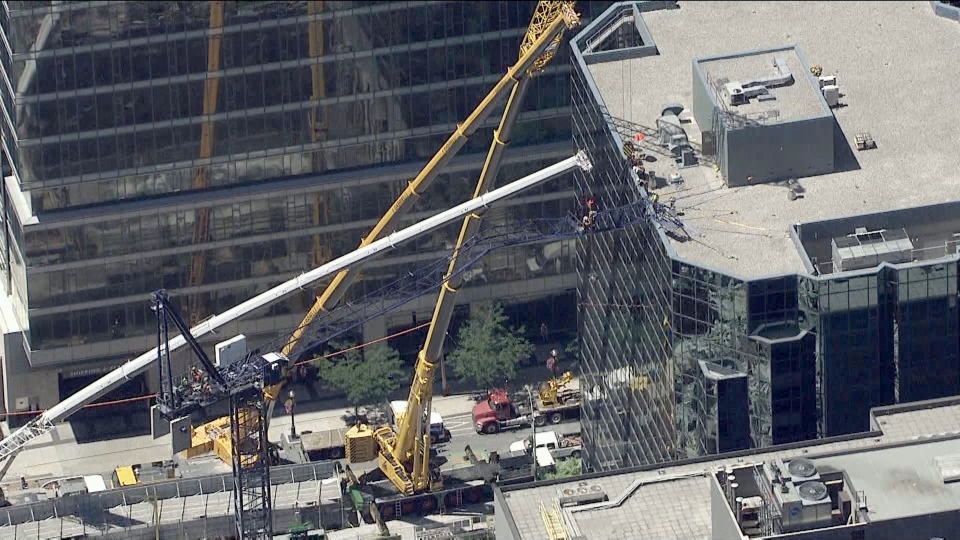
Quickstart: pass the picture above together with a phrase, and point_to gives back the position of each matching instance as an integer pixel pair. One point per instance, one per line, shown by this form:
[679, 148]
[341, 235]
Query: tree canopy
[366, 379]
[488, 350]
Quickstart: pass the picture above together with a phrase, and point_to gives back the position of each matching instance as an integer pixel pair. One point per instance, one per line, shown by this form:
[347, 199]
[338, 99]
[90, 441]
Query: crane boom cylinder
[126, 372]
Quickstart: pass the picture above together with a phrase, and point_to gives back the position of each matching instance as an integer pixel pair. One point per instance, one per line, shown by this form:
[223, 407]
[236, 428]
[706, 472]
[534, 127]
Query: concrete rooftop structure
[797, 100]
[893, 67]
[894, 466]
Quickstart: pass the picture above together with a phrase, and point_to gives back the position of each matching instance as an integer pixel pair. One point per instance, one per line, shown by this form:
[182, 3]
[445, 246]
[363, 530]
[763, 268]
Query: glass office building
[217, 148]
[680, 359]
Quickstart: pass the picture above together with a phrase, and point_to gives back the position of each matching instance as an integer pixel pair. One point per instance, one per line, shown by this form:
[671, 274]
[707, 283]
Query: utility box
[231, 350]
[831, 93]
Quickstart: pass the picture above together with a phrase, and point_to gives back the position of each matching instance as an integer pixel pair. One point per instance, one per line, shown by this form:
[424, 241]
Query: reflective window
[928, 333]
[624, 308]
[115, 111]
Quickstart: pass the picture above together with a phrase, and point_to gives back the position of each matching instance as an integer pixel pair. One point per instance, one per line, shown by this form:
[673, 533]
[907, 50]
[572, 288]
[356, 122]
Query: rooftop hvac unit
[828, 80]
[584, 492]
[866, 249]
[813, 492]
[802, 470]
[804, 500]
[735, 93]
[831, 94]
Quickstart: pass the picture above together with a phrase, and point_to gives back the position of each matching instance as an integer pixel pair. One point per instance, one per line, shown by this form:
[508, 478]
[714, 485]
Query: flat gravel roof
[894, 63]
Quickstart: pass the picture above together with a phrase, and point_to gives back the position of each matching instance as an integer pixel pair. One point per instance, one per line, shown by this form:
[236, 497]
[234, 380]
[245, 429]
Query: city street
[57, 454]
[463, 434]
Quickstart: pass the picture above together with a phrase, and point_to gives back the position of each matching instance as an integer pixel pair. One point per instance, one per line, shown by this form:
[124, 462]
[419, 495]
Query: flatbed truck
[500, 412]
[326, 444]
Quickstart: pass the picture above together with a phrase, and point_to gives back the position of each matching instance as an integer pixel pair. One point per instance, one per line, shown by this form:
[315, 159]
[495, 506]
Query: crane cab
[276, 364]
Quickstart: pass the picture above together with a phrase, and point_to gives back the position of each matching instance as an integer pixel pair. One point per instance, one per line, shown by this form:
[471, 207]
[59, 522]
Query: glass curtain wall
[710, 324]
[927, 333]
[112, 102]
[856, 339]
[623, 314]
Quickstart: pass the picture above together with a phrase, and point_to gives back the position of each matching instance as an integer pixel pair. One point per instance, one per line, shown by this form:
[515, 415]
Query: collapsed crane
[538, 47]
[534, 58]
[244, 382]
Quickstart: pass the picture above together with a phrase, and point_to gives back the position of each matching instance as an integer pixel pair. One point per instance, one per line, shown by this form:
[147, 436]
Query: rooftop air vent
[802, 470]
[583, 493]
[813, 492]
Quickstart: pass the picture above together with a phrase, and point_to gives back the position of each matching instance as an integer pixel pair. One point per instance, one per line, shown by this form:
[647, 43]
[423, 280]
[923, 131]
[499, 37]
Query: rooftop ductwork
[739, 92]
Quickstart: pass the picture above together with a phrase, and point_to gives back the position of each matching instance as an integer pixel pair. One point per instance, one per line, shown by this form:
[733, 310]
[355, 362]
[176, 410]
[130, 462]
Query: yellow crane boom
[201, 178]
[542, 25]
[538, 47]
[405, 452]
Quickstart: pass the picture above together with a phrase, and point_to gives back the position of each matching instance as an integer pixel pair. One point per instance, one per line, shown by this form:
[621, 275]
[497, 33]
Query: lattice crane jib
[201, 178]
[250, 452]
[545, 14]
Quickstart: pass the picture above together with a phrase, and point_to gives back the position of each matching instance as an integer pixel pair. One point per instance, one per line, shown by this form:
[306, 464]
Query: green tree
[366, 379]
[565, 469]
[488, 350]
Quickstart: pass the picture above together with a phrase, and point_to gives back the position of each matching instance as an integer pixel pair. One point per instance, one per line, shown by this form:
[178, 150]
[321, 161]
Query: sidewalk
[57, 453]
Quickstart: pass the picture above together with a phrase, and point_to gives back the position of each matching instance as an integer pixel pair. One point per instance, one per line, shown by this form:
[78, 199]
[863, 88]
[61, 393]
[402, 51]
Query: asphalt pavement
[58, 454]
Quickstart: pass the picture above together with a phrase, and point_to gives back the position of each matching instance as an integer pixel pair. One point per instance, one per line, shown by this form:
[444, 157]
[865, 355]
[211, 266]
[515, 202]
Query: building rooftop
[913, 234]
[901, 95]
[894, 466]
[795, 100]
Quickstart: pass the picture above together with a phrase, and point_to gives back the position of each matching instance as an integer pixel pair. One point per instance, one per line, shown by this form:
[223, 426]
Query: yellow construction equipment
[405, 450]
[538, 47]
[551, 392]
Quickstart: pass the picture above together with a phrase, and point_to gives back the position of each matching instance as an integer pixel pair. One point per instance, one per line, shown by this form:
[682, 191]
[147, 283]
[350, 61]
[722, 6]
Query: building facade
[733, 358]
[217, 148]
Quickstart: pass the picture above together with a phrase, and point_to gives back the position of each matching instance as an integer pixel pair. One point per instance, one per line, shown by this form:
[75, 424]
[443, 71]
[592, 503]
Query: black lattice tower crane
[251, 456]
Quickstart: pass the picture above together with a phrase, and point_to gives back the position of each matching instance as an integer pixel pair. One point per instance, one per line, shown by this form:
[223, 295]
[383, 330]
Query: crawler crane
[404, 452]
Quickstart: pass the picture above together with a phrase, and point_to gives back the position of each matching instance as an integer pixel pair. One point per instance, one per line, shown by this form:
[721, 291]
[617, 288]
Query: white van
[438, 433]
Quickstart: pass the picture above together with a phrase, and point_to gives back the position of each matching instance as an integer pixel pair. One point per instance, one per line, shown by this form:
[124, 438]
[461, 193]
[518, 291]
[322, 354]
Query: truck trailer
[500, 411]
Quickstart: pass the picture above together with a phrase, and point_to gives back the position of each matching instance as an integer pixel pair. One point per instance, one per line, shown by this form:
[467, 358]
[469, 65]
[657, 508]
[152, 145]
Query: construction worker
[590, 217]
[553, 362]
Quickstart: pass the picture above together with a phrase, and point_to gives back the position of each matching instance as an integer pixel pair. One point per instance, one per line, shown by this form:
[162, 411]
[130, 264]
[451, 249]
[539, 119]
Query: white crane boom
[45, 422]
